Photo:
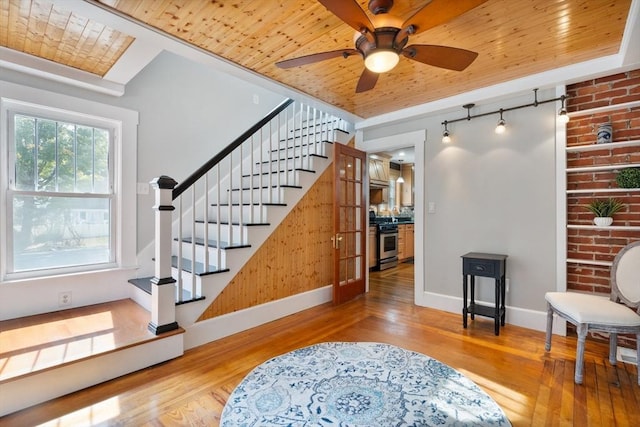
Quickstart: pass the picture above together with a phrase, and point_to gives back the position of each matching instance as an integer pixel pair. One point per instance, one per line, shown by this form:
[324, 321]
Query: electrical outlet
[64, 299]
[507, 283]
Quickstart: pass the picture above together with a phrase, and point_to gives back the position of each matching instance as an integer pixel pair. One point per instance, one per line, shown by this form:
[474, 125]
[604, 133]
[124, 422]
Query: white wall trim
[32, 65]
[232, 323]
[561, 201]
[531, 319]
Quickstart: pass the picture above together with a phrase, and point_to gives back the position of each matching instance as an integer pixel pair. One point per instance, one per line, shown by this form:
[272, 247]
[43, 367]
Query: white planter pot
[603, 221]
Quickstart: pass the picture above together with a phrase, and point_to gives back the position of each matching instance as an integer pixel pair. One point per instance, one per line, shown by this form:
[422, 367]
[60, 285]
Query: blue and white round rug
[358, 384]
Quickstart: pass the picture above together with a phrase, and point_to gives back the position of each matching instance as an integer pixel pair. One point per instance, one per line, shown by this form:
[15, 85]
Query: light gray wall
[188, 113]
[493, 193]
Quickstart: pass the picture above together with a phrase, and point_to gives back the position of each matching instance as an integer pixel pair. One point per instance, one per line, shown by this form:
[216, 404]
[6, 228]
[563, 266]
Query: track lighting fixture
[501, 125]
[446, 138]
[563, 116]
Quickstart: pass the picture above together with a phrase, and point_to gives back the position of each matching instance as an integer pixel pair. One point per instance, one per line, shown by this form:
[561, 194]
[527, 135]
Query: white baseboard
[627, 355]
[526, 318]
[229, 324]
[30, 390]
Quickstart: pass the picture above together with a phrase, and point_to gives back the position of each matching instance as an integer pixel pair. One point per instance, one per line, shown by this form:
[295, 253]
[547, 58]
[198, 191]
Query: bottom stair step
[76, 348]
[144, 284]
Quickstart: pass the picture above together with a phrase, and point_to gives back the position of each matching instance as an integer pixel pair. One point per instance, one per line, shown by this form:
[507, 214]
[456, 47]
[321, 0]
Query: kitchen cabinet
[373, 246]
[410, 241]
[379, 172]
[405, 241]
[379, 195]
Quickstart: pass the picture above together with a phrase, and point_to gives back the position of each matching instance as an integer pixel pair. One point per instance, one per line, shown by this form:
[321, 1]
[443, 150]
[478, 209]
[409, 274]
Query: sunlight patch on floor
[517, 404]
[35, 347]
[92, 415]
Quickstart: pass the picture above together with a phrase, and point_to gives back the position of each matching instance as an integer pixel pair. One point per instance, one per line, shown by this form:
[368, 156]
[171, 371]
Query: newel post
[163, 291]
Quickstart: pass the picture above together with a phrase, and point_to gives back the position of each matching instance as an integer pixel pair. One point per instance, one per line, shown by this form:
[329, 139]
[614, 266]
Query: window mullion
[57, 147]
[36, 149]
[75, 158]
[93, 159]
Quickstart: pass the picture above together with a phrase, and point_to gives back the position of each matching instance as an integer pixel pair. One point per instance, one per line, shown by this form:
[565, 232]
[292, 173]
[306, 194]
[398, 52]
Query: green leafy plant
[628, 178]
[605, 208]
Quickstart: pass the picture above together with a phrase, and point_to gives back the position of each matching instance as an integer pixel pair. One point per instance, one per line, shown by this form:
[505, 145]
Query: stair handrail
[199, 173]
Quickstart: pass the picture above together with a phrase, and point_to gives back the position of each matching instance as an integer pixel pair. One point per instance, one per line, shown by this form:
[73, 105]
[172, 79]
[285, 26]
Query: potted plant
[604, 210]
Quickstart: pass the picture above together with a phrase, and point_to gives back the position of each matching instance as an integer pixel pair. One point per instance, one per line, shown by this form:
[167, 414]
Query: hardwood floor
[533, 387]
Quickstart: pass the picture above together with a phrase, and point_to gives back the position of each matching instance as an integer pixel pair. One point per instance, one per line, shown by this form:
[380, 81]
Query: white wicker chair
[620, 314]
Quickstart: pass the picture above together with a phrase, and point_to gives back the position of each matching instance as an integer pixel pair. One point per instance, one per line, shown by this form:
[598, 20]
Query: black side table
[484, 265]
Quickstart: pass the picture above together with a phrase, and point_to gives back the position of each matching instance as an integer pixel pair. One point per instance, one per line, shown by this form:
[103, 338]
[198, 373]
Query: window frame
[43, 113]
[122, 165]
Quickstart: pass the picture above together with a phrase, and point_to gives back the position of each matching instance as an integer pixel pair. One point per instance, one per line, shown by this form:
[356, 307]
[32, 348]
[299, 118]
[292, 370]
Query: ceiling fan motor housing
[384, 39]
[380, 6]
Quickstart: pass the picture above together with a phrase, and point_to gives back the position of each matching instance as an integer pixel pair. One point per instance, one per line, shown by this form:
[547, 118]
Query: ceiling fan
[381, 41]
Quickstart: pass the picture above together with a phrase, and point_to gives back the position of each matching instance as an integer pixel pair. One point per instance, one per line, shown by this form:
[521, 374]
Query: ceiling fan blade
[350, 12]
[447, 57]
[368, 80]
[315, 57]
[437, 12]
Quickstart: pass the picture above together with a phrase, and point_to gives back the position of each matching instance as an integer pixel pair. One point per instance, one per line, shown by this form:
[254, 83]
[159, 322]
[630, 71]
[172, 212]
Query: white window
[60, 178]
[68, 191]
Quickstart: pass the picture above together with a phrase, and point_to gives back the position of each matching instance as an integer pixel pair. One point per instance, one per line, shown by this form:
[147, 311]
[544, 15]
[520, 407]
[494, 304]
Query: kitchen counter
[387, 219]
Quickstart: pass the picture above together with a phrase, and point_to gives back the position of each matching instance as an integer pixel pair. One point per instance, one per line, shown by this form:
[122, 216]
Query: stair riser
[239, 214]
[306, 151]
[318, 131]
[285, 165]
[257, 196]
[261, 180]
[190, 283]
[238, 234]
[200, 253]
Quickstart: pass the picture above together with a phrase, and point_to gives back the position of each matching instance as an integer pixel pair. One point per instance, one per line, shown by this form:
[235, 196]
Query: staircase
[225, 211]
[211, 225]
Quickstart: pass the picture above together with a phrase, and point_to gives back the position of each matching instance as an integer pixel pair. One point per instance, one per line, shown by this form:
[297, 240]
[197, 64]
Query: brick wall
[600, 245]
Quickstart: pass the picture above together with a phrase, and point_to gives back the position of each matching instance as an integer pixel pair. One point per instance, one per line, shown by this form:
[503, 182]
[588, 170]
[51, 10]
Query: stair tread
[293, 147]
[266, 162]
[144, 284]
[250, 204]
[273, 173]
[213, 243]
[250, 224]
[266, 187]
[199, 267]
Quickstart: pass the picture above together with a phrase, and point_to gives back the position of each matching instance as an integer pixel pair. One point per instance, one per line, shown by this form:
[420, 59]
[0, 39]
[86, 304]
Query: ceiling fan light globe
[381, 61]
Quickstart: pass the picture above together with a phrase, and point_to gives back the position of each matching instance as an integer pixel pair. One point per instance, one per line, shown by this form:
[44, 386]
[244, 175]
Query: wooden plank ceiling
[56, 33]
[514, 38]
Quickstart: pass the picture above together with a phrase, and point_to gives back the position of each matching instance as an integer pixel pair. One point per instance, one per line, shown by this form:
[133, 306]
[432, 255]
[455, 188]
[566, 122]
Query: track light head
[446, 136]
[501, 125]
[563, 117]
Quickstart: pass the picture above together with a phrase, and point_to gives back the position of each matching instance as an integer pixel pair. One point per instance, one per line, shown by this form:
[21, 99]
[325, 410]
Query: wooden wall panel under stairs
[296, 258]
